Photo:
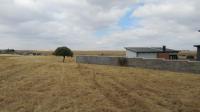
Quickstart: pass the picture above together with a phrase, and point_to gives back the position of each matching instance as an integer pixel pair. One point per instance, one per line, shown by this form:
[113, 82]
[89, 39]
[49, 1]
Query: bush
[36, 54]
[122, 61]
[102, 54]
[190, 57]
[9, 51]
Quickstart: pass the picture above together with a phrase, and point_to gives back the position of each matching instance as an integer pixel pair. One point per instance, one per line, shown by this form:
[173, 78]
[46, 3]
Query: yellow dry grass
[45, 84]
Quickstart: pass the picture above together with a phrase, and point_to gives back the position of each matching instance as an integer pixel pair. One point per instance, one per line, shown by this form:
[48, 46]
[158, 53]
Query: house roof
[150, 50]
[196, 45]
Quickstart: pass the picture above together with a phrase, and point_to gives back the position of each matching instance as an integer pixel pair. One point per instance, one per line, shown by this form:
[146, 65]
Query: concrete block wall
[159, 64]
[97, 60]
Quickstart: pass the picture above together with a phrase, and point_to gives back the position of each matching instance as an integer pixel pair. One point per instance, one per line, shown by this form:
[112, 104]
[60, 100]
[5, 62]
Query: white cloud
[171, 22]
[47, 24]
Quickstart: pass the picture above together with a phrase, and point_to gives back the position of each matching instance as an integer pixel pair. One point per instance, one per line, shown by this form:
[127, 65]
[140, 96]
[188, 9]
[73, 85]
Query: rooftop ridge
[150, 49]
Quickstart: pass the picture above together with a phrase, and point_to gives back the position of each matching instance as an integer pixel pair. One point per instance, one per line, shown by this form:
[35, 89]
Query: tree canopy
[63, 51]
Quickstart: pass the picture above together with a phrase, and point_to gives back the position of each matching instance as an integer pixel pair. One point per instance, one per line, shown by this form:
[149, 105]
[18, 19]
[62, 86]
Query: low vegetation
[44, 84]
[122, 61]
[7, 51]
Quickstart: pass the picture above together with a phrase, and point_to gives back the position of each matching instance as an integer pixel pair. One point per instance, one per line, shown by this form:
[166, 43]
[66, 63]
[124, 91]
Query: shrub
[190, 57]
[122, 61]
[9, 51]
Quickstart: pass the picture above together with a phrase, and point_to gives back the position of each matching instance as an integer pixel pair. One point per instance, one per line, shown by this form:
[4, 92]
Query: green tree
[63, 51]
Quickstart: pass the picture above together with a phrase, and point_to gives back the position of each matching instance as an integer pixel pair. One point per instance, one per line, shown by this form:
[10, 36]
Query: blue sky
[126, 21]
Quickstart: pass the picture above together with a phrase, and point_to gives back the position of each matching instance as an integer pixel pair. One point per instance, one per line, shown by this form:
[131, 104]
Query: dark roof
[196, 45]
[150, 49]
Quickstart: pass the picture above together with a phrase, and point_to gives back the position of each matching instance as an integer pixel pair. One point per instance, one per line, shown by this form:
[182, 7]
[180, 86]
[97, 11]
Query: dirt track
[44, 84]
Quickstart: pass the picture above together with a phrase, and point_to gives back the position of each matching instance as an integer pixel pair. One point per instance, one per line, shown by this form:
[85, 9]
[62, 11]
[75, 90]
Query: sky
[99, 24]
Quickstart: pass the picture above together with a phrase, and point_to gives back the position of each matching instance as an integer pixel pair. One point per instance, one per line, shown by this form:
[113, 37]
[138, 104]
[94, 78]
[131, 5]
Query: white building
[151, 52]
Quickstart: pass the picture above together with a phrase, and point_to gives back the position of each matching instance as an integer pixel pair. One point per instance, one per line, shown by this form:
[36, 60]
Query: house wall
[163, 55]
[147, 55]
[178, 66]
[130, 54]
[198, 53]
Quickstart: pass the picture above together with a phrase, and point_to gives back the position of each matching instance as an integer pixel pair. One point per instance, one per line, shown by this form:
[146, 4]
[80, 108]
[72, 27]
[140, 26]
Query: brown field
[45, 84]
[184, 54]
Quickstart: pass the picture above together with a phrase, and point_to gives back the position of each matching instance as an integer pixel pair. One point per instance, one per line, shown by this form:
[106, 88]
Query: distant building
[151, 52]
[198, 52]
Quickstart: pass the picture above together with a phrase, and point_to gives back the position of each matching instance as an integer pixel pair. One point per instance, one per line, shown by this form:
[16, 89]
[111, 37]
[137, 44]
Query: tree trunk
[63, 59]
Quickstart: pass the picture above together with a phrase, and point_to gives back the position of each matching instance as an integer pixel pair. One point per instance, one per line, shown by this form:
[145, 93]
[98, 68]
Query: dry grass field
[45, 84]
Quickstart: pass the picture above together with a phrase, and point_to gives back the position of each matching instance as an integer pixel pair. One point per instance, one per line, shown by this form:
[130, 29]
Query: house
[151, 52]
[198, 52]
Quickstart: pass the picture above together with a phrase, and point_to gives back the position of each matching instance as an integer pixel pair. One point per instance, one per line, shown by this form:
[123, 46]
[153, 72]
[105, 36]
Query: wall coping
[142, 58]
